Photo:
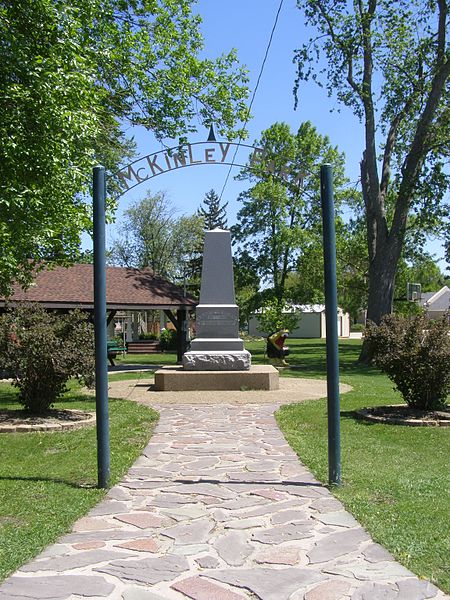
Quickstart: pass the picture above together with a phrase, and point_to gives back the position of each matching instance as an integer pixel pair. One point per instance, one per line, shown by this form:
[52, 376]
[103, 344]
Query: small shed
[311, 323]
[127, 289]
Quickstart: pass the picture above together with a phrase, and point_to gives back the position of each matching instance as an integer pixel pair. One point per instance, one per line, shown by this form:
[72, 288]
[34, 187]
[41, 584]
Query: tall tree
[280, 214]
[389, 61]
[213, 213]
[151, 236]
[72, 74]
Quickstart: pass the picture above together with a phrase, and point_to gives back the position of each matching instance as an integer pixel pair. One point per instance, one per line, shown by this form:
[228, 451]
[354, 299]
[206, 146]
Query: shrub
[168, 339]
[274, 318]
[118, 340]
[415, 354]
[356, 327]
[148, 336]
[41, 351]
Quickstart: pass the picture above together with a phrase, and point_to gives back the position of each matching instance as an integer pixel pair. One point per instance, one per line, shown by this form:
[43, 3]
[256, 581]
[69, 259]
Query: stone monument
[217, 345]
[217, 359]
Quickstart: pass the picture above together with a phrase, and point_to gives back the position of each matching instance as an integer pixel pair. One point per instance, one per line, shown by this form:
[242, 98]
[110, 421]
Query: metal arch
[178, 168]
[173, 162]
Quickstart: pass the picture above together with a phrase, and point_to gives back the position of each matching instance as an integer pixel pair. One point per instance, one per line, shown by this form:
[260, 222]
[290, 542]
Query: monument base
[235, 360]
[176, 379]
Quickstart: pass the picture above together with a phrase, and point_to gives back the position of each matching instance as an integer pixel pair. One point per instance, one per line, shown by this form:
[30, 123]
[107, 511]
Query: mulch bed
[15, 421]
[403, 415]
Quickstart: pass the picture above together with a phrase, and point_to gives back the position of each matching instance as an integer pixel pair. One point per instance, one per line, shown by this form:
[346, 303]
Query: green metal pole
[331, 313]
[101, 367]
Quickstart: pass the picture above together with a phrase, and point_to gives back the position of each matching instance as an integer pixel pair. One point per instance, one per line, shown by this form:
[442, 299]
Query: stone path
[218, 507]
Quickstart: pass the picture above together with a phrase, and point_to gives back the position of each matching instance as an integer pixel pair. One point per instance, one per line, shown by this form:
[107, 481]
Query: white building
[311, 323]
[436, 303]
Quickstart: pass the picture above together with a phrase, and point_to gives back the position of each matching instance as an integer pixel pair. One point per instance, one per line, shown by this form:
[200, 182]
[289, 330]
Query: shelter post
[101, 368]
[331, 313]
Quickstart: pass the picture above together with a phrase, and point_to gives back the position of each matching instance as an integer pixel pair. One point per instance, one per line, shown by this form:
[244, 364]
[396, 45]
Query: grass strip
[395, 478]
[48, 480]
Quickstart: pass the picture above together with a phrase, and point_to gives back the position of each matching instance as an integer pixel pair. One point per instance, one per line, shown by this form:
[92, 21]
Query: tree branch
[417, 154]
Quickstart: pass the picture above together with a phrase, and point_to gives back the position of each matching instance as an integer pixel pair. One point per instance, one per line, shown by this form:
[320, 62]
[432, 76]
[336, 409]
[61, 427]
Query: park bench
[113, 350]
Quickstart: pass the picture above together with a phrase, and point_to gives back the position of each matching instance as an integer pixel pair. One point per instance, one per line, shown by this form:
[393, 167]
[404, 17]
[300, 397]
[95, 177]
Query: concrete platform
[175, 379]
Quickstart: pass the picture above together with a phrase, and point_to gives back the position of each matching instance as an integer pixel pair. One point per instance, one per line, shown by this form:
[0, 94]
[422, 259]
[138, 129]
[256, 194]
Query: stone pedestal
[237, 360]
[176, 379]
[217, 346]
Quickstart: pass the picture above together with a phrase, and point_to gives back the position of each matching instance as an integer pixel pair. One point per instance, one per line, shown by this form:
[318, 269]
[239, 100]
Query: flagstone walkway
[218, 507]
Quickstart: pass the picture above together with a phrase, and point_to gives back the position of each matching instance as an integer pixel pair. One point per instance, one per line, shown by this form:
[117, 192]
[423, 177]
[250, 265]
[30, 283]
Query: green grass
[130, 375]
[154, 360]
[157, 358]
[48, 480]
[395, 478]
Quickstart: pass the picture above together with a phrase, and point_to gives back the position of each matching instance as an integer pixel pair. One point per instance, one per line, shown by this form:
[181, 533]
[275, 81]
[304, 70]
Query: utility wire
[263, 64]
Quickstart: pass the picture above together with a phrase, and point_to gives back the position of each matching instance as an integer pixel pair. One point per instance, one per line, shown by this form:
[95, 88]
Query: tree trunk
[382, 272]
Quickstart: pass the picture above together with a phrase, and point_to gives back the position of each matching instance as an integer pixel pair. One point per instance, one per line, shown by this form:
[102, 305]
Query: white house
[310, 325]
[436, 303]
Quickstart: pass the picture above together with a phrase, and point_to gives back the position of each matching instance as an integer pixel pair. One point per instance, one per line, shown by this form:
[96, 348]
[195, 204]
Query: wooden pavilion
[67, 288]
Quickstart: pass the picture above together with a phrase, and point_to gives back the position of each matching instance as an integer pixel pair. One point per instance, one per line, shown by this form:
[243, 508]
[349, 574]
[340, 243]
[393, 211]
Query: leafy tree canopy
[280, 216]
[71, 74]
[389, 61]
[151, 236]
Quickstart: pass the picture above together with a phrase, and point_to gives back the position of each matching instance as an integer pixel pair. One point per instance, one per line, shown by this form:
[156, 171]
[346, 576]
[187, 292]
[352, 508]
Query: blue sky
[246, 26]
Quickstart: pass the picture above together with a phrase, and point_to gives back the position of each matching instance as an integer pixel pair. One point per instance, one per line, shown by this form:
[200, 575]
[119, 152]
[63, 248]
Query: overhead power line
[263, 64]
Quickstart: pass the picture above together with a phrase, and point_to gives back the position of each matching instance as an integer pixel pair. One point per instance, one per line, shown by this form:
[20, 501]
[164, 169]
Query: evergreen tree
[212, 213]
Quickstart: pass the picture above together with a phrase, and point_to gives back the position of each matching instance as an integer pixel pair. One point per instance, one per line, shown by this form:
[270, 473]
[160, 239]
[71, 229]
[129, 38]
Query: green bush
[356, 327]
[415, 354]
[405, 308]
[148, 336]
[41, 351]
[274, 318]
[118, 340]
[168, 339]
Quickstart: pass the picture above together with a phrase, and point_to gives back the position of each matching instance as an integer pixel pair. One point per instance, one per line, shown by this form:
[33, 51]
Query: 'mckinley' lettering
[169, 166]
[138, 175]
[208, 155]
[224, 148]
[179, 160]
[191, 158]
[153, 165]
[129, 174]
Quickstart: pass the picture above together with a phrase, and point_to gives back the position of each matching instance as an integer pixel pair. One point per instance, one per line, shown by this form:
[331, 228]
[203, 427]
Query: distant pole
[331, 312]
[101, 368]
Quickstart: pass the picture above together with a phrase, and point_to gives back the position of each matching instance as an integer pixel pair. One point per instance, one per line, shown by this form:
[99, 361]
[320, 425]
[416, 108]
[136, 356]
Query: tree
[152, 237]
[281, 215]
[71, 76]
[306, 284]
[389, 61]
[246, 282]
[42, 351]
[415, 354]
[213, 214]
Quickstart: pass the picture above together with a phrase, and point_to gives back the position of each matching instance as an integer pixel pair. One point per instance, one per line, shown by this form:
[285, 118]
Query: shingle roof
[68, 287]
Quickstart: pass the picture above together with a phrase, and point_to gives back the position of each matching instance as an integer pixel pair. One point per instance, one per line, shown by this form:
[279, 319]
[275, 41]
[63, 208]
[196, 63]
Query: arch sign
[189, 155]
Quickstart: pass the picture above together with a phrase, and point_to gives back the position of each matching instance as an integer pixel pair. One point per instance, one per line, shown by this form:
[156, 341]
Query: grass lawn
[48, 480]
[395, 478]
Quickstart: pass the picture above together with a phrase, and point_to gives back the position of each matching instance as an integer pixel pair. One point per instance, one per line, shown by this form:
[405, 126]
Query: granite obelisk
[217, 345]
